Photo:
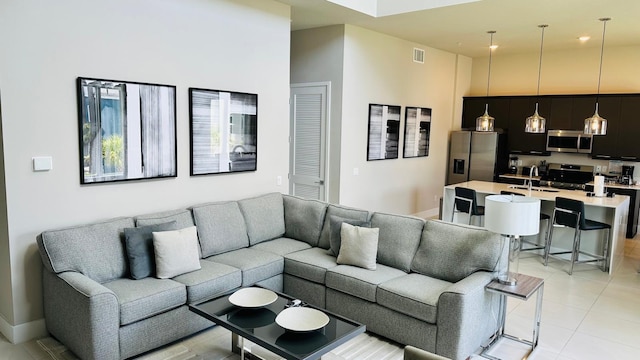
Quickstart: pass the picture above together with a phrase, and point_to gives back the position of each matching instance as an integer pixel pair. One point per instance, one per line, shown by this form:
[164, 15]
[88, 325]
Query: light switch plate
[42, 163]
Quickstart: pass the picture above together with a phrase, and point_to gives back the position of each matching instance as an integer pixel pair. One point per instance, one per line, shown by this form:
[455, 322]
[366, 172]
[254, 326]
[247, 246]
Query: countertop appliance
[627, 175]
[567, 176]
[475, 155]
[569, 141]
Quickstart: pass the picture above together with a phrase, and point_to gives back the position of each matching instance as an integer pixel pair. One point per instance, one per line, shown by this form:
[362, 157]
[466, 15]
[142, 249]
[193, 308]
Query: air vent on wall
[418, 55]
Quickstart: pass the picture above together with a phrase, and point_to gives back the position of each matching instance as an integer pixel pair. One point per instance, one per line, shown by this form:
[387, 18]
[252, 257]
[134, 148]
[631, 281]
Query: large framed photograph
[417, 128]
[384, 132]
[127, 130]
[224, 131]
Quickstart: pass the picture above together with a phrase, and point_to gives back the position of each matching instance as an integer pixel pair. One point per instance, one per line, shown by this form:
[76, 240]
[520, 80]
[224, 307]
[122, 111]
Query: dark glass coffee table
[259, 327]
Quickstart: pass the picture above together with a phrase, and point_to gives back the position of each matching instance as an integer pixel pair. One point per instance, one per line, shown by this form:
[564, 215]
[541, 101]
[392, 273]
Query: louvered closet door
[308, 119]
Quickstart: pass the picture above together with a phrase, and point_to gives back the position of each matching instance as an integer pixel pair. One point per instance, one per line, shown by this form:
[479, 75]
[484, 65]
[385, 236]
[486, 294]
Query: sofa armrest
[82, 314]
[467, 316]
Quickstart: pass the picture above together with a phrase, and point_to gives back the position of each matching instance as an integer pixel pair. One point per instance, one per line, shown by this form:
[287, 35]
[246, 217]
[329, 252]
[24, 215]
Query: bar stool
[570, 213]
[465, 202]
[543, 217]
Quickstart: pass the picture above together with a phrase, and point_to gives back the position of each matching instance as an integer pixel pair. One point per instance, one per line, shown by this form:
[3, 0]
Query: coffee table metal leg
[235, 346]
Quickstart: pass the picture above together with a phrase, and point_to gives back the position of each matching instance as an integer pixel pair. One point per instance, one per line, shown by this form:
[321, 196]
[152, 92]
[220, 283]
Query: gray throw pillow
[335, 228]
[176, 252]
[359, 246]
[139, 247]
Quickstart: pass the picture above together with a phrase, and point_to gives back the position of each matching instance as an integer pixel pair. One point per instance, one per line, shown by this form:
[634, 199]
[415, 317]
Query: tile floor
[587, 316]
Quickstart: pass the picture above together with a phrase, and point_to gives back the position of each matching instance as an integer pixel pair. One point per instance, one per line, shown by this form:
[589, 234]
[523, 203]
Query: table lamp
[512, 216]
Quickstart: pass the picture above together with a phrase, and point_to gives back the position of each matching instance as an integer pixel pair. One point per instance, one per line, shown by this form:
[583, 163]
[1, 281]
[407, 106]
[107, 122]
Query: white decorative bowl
[253, 297]
[302, 319]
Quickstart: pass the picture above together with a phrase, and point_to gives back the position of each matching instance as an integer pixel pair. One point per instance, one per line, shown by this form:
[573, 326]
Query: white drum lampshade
[512, 216]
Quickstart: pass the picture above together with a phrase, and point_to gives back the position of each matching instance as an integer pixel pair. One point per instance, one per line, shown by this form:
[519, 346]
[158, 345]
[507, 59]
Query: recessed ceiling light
[584, 38]
[493, 47]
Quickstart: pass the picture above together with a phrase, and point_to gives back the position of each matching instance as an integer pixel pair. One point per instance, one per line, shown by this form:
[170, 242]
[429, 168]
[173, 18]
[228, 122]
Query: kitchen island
[612, 211]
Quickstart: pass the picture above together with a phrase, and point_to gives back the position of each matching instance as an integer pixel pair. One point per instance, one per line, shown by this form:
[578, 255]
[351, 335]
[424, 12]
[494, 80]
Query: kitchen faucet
[534, 169]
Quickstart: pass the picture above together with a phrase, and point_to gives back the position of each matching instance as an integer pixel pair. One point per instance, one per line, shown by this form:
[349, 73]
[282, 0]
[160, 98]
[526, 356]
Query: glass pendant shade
[535, 123]
[596, 124]
[485, 122]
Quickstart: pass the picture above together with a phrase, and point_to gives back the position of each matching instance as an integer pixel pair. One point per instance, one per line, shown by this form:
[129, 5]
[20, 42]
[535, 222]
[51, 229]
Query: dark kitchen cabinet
[627, 145]
[608, 146]
[520, 142]
[474, 107]
[560, 113]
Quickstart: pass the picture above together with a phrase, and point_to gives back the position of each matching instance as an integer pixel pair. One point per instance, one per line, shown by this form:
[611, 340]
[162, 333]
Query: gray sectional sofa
[427, 289]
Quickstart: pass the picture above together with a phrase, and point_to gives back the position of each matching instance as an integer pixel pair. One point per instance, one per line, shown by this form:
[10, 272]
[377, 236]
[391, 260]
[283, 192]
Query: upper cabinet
[563, 112]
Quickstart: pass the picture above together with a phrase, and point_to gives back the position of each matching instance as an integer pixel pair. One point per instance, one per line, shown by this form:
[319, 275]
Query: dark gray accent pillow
[335, 226]
[139, 247]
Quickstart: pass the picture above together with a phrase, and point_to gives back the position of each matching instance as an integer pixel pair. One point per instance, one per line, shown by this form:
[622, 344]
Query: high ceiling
[462, 28]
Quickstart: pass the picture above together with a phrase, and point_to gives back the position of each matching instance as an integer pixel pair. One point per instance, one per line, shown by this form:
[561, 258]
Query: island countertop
[611, 210]
[549, 194]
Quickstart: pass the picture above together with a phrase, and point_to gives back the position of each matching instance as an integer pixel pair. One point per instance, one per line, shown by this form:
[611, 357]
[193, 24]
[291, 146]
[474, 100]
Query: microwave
[569, 141]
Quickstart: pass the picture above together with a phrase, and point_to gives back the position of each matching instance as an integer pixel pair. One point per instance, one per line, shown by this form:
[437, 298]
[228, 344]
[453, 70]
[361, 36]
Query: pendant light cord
[604, 29]
[490, 53]
[540, 63]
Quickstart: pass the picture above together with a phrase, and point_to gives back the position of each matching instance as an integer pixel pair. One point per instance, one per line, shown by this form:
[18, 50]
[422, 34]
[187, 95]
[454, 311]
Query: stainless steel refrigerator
[477, 155]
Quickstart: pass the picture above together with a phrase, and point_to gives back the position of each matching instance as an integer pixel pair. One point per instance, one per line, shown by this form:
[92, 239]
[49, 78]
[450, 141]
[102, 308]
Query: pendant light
[535, 123]
[597, 125]
[485, 122]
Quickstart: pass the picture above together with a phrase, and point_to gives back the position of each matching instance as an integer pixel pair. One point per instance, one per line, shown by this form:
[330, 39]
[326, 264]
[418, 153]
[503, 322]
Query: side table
[523, 290]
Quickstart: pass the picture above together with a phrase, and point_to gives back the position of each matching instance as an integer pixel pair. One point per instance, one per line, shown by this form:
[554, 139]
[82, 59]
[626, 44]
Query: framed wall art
[384, 132]
[127, 130]
[224, 131]
[417, 128]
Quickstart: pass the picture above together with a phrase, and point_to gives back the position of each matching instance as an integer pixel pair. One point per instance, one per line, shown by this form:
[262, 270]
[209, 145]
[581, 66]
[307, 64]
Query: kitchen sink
[533, 188]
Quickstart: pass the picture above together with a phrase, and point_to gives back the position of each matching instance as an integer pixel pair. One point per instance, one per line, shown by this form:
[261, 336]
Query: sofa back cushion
[303, 219]
[182, 217]
[95, 250]
[452, 252]
[221, 227]
[343, 212]
[398, 240]
[263, 216]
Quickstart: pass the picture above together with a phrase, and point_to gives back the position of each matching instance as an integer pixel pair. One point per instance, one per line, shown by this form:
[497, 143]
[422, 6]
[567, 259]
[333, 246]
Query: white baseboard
[23, 332]
[428, 214]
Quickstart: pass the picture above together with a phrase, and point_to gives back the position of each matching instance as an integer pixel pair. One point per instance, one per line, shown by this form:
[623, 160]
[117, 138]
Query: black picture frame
[383, 135]
[220, 146]
[126, 130]
[417, 131]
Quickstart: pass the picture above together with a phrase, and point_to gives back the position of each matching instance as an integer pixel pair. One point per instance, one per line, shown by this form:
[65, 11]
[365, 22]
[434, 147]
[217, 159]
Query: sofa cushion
[182, 217]
[140, 299]
[176, 252]
[281, 246]
[264, 217]
[303, 219]
[414, 295]
[256, 265]
[399, 239]
[139, 246]
[360, 282]
[341, 211]
[359, 246]
[452, 252]
[221, 227]
[95, 250]
[310, 264]
[335, 231]
[211, 280]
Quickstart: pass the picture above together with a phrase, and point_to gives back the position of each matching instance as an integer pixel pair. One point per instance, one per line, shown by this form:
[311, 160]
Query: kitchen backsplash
[578, 159]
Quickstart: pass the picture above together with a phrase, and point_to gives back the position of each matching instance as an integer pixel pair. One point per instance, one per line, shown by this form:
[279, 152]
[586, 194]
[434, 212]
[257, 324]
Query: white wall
[240, 45]
[379, 69]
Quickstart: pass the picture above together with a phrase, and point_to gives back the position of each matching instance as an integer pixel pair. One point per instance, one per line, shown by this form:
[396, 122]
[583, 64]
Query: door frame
[327, 131]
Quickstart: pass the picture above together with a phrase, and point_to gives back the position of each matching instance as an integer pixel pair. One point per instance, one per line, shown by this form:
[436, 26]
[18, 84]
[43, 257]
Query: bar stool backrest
[463, 205]
[573, 209]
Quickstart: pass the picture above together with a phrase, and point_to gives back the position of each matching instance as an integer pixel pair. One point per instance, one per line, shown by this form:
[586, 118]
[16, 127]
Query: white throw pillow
[176, 252]
[359, 246]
